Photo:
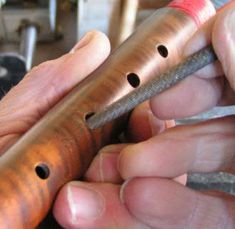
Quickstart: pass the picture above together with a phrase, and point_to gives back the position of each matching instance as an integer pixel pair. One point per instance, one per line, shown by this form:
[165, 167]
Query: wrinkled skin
[140, 185]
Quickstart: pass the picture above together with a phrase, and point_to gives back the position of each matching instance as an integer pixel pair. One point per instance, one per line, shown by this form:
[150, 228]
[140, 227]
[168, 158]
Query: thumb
[223, 38]
[93, 205]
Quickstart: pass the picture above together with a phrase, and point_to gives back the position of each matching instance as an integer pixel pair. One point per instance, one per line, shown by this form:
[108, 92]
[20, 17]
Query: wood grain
[61, 141]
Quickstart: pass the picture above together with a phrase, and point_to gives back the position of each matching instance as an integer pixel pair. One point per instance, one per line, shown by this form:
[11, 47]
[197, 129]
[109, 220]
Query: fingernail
[157, 126]
[122, 190]
[85, 40]
[108, 167]
[84, 203]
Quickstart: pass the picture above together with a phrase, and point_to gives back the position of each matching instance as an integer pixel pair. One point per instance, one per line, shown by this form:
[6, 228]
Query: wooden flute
[60, 147]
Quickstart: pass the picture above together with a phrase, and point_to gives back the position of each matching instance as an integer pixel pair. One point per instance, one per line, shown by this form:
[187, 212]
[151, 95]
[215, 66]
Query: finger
[199, 92]
[228, 97]
[92, 205]
[48, 83]
[7, 141]
[190, 97]
[200, 40]
[205, 147]
[203, 90]
[143, 124]
[224, 41]
[104, 166]
[162, 203]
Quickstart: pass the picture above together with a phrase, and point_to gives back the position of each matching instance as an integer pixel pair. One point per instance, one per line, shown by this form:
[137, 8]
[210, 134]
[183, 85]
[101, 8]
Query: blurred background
[33, 31]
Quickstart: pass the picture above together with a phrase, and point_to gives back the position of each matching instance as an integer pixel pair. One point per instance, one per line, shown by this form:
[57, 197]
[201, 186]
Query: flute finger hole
[42, 171]
[133, 79]
[163, 51]
[89, 115]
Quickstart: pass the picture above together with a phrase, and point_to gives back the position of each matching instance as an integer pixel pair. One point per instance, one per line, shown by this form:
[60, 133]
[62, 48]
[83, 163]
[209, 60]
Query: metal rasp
[153, 87]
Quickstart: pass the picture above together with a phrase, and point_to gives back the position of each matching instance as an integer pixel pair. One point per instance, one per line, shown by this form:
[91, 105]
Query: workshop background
[35, 31]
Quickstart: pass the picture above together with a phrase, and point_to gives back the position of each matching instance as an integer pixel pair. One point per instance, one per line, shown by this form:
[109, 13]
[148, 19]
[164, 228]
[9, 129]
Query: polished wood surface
[60, 147]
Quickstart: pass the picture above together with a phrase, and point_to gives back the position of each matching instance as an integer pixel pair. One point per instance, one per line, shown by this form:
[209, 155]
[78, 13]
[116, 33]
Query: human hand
[150, 193]
[46, 84]
[43, 87]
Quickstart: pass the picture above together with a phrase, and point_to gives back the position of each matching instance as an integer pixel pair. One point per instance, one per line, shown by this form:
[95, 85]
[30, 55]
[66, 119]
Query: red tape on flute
[60, 147]
[199, 10]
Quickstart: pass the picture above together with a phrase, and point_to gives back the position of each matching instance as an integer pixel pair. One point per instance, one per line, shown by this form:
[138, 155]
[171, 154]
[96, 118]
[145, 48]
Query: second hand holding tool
[60, 147]
[155, 86]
